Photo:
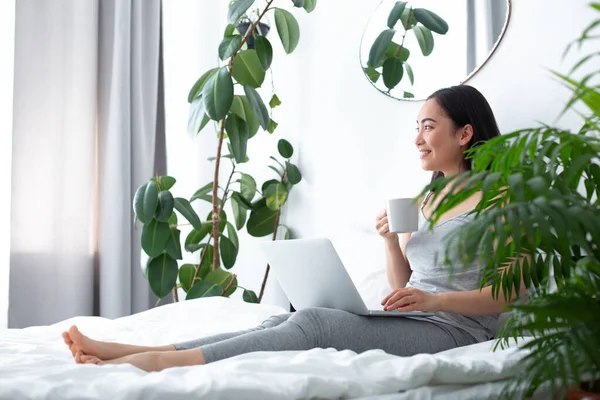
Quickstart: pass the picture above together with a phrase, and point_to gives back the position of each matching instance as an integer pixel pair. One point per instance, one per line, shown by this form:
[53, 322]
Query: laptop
[312, 274]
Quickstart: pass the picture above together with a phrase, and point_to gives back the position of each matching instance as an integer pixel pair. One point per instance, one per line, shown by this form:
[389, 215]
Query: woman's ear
[466, 134]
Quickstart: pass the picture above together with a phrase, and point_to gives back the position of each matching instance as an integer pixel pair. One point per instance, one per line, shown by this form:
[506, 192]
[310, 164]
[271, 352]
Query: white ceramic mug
[403, 215]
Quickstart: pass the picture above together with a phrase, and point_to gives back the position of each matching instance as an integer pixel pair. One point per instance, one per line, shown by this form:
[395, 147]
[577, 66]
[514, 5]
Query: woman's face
[441, 144]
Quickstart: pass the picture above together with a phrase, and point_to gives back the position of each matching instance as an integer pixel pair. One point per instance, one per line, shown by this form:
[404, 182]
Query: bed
[35, 364]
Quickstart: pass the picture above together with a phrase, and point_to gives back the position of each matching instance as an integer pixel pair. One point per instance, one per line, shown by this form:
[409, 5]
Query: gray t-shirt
[431, 275]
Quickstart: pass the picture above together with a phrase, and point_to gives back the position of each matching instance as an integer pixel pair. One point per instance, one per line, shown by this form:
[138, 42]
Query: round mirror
[409, 49]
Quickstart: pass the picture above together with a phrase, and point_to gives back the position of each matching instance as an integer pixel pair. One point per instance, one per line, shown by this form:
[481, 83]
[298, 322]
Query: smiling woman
[7, 36]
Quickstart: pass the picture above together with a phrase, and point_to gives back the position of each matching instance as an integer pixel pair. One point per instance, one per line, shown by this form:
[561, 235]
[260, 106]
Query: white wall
[7, 39]
[354, 145]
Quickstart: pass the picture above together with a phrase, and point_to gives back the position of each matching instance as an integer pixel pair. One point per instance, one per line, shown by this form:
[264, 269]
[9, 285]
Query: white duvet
[34, 363]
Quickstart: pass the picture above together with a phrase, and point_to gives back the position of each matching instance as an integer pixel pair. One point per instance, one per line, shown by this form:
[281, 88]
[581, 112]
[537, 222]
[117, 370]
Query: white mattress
[34, 363]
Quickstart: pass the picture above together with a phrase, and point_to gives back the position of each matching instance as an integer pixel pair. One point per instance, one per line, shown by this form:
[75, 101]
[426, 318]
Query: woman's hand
[383, 227]
[411, 299]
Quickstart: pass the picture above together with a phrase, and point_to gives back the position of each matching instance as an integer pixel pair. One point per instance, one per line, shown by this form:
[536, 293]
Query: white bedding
[34, 363]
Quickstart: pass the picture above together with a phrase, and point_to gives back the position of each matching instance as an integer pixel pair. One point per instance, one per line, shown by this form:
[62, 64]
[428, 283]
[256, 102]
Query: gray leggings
[323, 327]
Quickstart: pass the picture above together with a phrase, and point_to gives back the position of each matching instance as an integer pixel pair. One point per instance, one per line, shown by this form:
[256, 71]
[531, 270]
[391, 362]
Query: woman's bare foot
[79, 343]
[150, 361]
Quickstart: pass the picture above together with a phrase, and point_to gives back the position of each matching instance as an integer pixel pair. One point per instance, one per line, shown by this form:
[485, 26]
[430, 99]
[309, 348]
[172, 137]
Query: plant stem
[410, 11]
[175, 295]
[230, 283]
[274, 237]
[216, 216]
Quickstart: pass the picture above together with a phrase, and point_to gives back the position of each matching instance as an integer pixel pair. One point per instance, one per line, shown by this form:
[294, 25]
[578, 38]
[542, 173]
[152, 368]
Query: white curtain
[85, 126]
[7, 37]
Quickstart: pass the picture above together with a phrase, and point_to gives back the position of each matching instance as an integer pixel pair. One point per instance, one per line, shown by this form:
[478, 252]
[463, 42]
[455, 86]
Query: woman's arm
[472, 302]
[398, 269]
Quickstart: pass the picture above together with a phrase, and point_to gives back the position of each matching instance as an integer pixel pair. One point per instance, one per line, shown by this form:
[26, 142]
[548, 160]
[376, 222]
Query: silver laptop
[311, 274]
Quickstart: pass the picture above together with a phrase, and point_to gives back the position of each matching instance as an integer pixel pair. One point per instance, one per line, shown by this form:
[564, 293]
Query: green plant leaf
[173, 219]
[166, 182]
[185, 209]
[218, 94]
[249, 296]
[247, 69]
[258, 106]
[198, 118]
[196, 90]
[222, 220]
[285, 148]
[228, 251]
[162, 275]
[293, 173]
[262, 220]
[229, 29]
[165, 206]
[174, 245]
[298, 3]
[196, 236]
[232, 234]
[410, 74]
[264, 51]
[310, 5]
[204, 289]
[186, 275]
[223, 279]
[242, 108]
[204, 192]
[155, 236]
[237, 130]
[431, 20]
[392, 72]
[424, 38]
[288, 29]
[379, 47]
[138, 204]
[274, 102]
[406, 23]
[272, 126]
[276, 195]
[207, 255]
[372, 74]
[239, 211]
[229, 45]
[408, 95]
[395, 14]
[247, 186]
[237, 9]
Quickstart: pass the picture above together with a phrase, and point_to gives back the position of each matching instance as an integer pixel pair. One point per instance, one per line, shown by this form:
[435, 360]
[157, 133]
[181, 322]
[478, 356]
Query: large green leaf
[162, 275]
[410, 74]
[242, 108]
[204, 289]
[165, 206]
[285, 148]
[395, 13]
[288, 29]
[204, 193]
[155, 236]
[185, 209]
[198, 118]
[174, 245]
[207, 255]
[424, 38]
[138, 205]
[237, 9]
[229, 45]
[247, 69]
[237, 130]
[150, 201]
[196, 90]
[258, 106]
[247, 186]
[186, 275]
[379, 47]
[310, 5]
[262, 220]
[392, 72]
[394, 50]
[166, 182]
[406, 22]
[218, 94]
[264, 51]
[196, 236]
[232, 235]
[249, 296]
[372, 73]
[276, 195]
[431, 20]
[223, 279]
[298, 3]
[228, 251]
[239, 212]
[293, 173]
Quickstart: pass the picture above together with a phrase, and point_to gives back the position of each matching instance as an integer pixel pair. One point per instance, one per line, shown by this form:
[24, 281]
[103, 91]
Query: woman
[451, 121]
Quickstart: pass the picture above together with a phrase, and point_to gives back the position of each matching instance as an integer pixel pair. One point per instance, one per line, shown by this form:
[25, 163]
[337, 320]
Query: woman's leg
[85, 346]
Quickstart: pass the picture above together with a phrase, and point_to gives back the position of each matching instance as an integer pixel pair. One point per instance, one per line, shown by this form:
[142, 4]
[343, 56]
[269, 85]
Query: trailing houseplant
[227, 95]
[387, 58]
[538, 224]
